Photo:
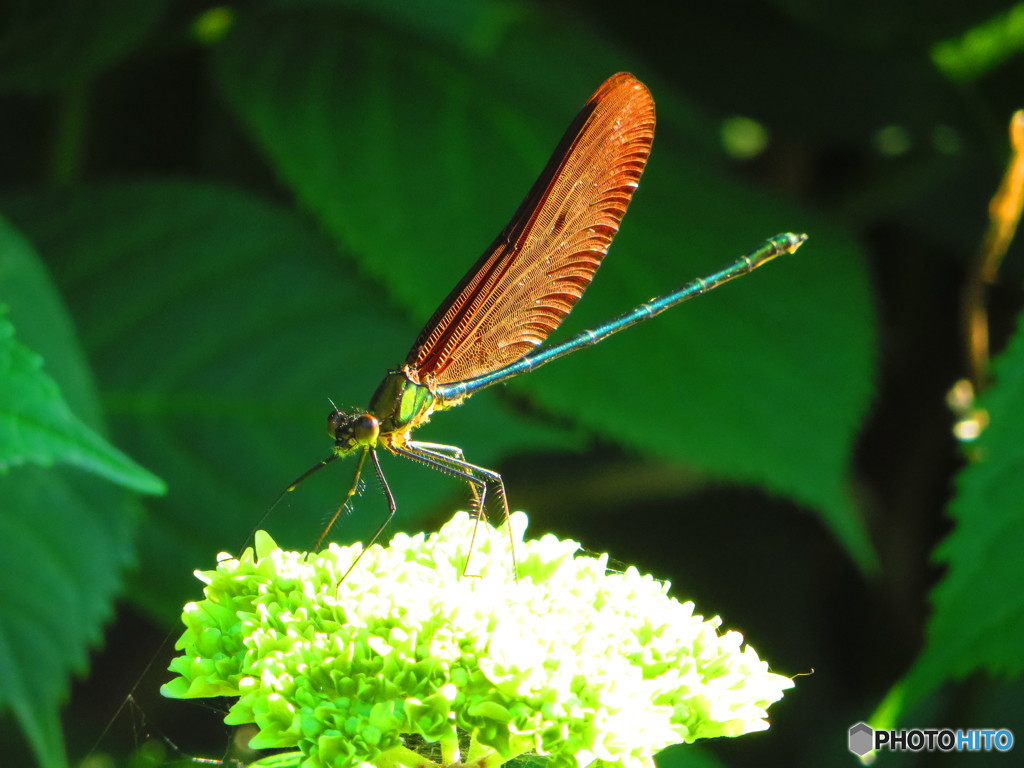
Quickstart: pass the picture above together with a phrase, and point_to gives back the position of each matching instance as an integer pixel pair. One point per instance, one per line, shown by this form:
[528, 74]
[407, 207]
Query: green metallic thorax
[400, 404]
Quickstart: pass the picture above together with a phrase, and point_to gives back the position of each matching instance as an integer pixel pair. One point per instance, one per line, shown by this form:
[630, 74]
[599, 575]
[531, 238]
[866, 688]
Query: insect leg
[348, 496]
[478, 477]
[454, 452]
[387, 495]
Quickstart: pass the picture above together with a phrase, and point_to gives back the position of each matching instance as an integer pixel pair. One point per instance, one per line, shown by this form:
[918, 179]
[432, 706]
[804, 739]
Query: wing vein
[540, 264]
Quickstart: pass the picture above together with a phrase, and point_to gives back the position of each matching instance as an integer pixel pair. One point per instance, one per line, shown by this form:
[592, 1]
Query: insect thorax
[400, 404]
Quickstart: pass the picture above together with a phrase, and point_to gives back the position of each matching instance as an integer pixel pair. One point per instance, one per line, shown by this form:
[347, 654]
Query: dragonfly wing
[536, 270]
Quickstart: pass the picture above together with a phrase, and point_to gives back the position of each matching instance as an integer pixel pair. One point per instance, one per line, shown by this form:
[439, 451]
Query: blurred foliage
[215, 218]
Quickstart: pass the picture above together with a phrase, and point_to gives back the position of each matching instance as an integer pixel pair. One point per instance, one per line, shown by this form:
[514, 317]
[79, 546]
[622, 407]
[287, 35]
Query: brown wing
[538, 267]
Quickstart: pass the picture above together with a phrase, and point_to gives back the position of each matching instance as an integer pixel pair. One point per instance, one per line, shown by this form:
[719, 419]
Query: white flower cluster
[563, 659]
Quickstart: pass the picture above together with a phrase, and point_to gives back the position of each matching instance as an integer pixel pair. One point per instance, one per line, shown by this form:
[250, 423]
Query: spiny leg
[451, 466]
[476, 476]
[442, 448]
[455, 452]
[392, 507]
[303, 476]
[481, 479]
[455, 468]
[295, 484]
[348, 497]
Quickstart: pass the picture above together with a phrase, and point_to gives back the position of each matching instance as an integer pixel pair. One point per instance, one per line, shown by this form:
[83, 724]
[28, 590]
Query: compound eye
[365, 429]
[335, 420]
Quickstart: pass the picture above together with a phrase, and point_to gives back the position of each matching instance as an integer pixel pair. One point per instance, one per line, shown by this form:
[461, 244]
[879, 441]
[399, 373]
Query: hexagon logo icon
[861, 739]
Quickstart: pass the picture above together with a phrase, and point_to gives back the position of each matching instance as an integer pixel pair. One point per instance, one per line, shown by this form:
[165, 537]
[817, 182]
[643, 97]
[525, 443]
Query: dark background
[247, 217]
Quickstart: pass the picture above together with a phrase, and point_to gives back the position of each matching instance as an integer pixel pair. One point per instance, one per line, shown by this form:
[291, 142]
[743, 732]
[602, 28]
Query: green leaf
[45, 45]
[36, 424]
[412, 146]
[65, 536]
[218, 335]
[43, 325]
[66, 539]
[978, 615]
[37, 427]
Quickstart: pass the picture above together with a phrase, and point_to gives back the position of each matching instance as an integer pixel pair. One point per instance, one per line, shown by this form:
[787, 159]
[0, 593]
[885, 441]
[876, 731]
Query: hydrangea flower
[413, 659]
